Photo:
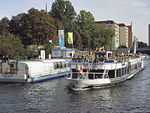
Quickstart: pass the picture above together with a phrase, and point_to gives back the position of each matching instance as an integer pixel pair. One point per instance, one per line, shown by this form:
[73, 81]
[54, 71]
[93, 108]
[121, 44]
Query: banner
[61, 38]
[70, 37]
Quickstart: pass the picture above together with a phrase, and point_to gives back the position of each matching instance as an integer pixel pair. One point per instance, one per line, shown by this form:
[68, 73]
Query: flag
[61, 38]
[70, 37]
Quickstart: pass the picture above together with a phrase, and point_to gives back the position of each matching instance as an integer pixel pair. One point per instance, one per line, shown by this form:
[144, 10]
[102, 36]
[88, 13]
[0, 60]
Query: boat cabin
[62, 52]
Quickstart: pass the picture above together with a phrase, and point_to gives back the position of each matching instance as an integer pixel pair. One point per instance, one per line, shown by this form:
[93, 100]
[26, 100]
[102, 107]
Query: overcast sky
[121, 11]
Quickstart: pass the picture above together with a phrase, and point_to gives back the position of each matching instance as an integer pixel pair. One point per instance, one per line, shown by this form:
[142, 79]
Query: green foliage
[63, 10]
[10, 45]
[4, 25]
[102, 36]
[142, 44]
[85, 21]
[122, 46]
[20, 25]
[42, 26]
[36, 27]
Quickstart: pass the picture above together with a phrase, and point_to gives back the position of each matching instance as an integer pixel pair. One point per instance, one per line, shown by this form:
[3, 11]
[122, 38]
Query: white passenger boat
[32, 71]
[103, 72]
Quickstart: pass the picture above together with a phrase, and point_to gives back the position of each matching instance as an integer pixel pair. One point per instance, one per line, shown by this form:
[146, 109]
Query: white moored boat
[99, 73]
[32, 71]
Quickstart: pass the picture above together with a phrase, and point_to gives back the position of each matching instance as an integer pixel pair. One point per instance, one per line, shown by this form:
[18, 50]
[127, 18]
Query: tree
[142, 44]
[63, 10]
[122, 46]
[85, 20]
[36, 27]
[11, 45]
[102, 36]
[109, 33]
[20, 25]
[4, 25]
[97, 39]
[42, 26]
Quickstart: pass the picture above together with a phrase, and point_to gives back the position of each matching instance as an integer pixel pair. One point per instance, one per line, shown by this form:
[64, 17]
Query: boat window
[74, 75]
[97, 76]
[64, 64]
[91, 76]
[11, 65]
[98, 70]
[129, 68]
[118, 72]
[55, 65]
[111, 73]
[140, 64]
[13, 68]
[123, 71]
[60, 64]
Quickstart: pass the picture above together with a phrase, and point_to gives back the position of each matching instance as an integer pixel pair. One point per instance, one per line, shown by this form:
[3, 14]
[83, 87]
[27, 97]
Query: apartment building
[130, 43]
[123, 33]
[149, 34]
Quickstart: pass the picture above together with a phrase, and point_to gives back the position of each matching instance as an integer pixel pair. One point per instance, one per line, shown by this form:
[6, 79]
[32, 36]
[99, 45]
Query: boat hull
[10, 78]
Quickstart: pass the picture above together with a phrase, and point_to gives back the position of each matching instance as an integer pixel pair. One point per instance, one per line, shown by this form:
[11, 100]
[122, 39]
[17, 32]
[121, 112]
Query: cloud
[138, 3]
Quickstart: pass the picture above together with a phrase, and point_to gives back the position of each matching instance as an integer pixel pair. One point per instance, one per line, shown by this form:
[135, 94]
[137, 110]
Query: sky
[136, 12]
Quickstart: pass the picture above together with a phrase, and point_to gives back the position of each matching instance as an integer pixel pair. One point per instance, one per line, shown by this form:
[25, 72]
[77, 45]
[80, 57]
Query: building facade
[123, 34]
[130, 42]
[149, 34]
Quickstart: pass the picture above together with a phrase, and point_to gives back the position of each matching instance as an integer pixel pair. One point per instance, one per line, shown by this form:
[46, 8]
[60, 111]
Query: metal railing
[88, 75]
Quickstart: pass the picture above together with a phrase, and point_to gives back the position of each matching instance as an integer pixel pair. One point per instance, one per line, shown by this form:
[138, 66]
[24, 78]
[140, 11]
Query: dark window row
[59, 65]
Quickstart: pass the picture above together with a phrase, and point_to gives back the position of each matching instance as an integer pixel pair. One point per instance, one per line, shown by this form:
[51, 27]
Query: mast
[135, 44]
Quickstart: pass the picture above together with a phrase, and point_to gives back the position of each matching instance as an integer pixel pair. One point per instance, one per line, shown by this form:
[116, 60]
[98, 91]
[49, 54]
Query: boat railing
[99, 60]
[88, 75]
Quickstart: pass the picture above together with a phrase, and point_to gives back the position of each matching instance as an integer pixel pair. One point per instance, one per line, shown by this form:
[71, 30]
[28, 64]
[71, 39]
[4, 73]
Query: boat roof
[42, 61]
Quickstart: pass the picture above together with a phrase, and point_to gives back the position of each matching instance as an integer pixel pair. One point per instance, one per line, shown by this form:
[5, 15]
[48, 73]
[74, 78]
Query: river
[52, 96]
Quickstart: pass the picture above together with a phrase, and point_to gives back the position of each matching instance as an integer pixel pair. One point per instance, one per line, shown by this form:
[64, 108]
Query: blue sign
[61, 38]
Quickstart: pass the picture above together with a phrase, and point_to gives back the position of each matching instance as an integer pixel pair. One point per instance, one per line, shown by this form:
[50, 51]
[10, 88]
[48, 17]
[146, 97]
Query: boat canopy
[40, 66]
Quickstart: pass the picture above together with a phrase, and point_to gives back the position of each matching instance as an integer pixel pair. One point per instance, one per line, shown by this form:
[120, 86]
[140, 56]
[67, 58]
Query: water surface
[52, 96]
